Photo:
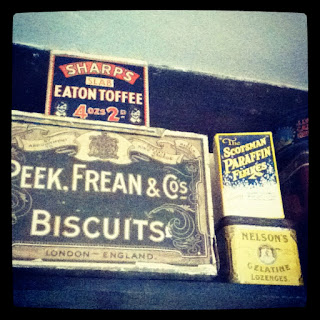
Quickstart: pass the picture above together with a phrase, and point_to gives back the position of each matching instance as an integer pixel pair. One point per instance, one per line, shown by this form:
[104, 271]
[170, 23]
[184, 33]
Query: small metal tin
[259, 254]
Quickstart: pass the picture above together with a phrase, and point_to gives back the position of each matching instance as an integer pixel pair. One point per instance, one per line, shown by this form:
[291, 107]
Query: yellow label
[263, 255]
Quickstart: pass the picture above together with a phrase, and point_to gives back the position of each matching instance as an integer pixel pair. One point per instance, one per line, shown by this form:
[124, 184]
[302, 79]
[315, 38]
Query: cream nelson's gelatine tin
[255, 254]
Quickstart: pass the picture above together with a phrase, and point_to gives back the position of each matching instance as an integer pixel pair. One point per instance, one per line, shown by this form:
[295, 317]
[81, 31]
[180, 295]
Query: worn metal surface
[90, 195]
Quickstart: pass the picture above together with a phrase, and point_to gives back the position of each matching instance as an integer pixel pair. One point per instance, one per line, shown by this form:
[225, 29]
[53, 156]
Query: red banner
[90, 67]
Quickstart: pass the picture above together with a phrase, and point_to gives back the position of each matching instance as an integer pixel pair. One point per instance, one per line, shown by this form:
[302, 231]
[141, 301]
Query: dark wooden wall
[183, 101]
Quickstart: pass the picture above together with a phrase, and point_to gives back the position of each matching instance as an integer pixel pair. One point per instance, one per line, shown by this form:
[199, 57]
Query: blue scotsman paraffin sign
[93, 88]
[248, 182]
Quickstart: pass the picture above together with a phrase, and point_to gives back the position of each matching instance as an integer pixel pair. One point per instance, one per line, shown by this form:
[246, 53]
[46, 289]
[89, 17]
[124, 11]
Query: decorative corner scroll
[21, 200]
[181, 227]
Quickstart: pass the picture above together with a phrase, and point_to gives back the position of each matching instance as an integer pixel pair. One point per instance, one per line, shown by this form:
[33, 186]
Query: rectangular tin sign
[97, 88]
[92, 195]
[248, 183]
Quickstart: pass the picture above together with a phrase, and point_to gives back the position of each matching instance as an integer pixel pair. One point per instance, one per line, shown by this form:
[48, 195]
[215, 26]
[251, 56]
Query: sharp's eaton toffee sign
[87, 194]
[93, 88]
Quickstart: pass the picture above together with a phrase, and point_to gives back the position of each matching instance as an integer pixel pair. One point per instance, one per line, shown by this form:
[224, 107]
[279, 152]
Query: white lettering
[36, 221]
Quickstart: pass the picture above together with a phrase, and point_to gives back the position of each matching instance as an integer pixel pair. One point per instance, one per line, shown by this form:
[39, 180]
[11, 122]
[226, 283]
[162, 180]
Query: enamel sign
[93, 88]
[247, 170]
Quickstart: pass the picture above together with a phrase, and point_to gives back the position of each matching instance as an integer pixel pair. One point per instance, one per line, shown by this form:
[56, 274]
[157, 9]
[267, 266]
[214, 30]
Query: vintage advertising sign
[262, 255]
[248, 183]
[97, 88]
[98, 196]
